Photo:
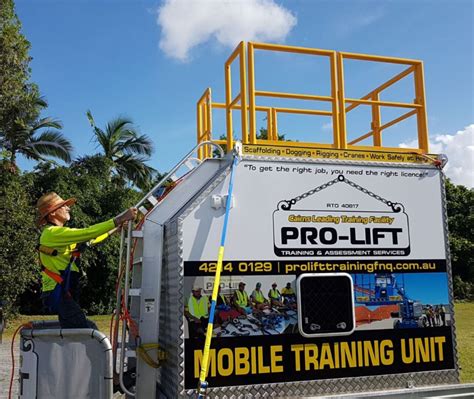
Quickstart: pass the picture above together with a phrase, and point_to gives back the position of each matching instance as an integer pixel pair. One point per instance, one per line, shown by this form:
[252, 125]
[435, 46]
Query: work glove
[129, 214]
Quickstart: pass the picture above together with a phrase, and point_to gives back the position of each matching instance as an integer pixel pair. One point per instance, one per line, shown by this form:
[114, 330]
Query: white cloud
[459, 148]
[186, 24]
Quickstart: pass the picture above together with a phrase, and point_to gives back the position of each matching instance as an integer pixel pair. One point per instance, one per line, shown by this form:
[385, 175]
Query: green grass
[102, 322]
[464, 317]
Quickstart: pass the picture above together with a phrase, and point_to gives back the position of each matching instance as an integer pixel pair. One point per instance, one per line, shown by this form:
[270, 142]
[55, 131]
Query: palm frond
[46, 123]
[104, 142]
[90, 118]
[118, 127]
[100, 136]
[48, 143]
[135, 169]
[41, 102]
[137, 145]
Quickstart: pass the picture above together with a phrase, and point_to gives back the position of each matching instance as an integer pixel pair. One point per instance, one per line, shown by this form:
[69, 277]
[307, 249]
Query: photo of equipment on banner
[399, 301]
[245, 306]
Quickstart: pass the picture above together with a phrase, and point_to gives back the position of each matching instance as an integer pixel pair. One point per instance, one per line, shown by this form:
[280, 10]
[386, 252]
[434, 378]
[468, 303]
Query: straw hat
[49, 203]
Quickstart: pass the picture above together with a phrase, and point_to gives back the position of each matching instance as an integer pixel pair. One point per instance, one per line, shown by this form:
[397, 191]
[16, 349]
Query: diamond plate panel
[334, 386]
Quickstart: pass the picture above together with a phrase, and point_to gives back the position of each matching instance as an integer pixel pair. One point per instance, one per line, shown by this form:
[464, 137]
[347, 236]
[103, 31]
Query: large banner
[381, 225]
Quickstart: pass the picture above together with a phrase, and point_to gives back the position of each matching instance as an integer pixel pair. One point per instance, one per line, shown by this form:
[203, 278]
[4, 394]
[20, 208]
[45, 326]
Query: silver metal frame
[150, 285]
[128, 257]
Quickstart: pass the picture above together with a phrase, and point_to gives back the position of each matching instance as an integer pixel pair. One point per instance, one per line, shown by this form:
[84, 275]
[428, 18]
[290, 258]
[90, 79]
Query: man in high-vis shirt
[289, 296]
[197, 313]
[59, 256]
[258, 300]
[241, 300]
[275, 296]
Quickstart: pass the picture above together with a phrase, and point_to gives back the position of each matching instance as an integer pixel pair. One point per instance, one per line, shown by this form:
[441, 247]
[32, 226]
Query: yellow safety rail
[245, 102]
[204, 123]
[418, 107]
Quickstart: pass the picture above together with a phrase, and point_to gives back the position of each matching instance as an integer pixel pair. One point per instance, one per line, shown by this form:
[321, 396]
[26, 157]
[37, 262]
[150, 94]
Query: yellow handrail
[245, 102]
[204, 123]
[241, 97]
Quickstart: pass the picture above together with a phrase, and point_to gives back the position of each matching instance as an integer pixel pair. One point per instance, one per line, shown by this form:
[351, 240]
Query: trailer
[348, 232]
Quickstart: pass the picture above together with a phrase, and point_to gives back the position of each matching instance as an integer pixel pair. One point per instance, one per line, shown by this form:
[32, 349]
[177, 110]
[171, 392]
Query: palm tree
[127, 149]
[36, 138]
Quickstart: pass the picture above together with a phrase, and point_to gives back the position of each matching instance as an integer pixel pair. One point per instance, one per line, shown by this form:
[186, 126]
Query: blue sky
[152, 60]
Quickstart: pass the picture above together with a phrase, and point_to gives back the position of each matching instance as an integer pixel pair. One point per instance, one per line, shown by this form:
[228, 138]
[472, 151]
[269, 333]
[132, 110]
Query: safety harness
[63, 281]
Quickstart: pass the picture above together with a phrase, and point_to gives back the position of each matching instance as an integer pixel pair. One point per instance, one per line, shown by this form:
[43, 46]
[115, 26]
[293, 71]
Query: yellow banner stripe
[328, 153]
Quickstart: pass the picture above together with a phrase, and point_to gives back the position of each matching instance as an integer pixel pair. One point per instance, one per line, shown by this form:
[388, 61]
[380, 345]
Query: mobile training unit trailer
[335, 275]
[293, 218]
[346, 243]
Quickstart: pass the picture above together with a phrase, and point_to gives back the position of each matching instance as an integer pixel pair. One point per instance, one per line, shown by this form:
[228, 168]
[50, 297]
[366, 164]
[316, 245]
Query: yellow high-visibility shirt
[65, 240]
[242, 298]
[274, 294]
[287, 291]
[258, 296]
[198, 307]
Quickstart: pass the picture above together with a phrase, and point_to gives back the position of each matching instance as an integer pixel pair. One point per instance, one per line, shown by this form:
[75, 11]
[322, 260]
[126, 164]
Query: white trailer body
[382, 223]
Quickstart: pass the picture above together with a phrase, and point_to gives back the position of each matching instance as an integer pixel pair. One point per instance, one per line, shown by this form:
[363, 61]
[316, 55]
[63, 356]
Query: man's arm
[58, 236]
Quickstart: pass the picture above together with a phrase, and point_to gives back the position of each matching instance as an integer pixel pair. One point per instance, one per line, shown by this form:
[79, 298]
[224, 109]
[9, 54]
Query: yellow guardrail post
[335, 102]
[274, 124]
[376, 121]
[204, 123]
[228, 108]
[208, 107]
[243, 94]
[341, 100]
[230, 102]
[423, 142]
[199, 129]
[252, 111]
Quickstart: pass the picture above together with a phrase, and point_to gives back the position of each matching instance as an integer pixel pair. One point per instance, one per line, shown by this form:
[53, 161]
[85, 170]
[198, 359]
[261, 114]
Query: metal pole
[125, 304]
[119, 298]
